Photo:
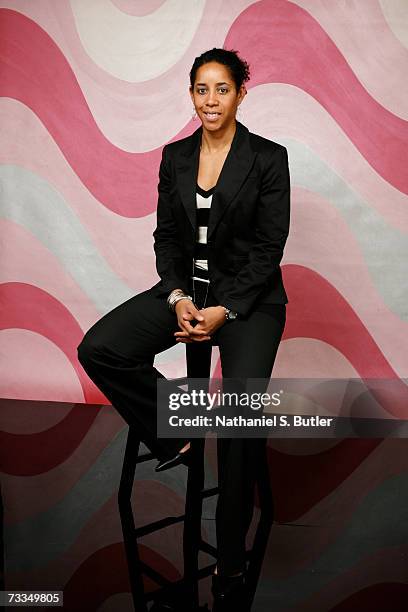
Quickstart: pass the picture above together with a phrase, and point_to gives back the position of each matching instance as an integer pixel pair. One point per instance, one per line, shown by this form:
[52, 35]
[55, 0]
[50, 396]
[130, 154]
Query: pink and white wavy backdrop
[90, 92]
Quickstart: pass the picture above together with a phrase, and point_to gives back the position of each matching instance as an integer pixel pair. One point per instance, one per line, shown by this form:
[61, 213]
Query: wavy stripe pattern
[82, 133]
[141, 51]
[396, 15]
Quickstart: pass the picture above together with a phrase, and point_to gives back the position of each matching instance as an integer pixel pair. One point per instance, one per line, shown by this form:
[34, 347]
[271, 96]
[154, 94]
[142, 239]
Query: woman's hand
[209, 320]
[186, 312]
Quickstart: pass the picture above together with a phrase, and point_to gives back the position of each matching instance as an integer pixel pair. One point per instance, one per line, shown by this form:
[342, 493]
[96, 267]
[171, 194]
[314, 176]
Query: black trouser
[118, 353]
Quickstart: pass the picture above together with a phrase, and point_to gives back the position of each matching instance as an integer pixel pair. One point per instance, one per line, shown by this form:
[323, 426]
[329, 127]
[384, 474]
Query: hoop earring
[194, 114]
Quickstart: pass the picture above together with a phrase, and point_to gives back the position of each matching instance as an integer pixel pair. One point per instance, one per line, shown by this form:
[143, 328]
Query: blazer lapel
[236, 167]
[187, 171]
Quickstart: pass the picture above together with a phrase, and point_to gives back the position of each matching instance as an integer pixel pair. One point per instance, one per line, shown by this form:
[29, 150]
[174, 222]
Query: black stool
[184, 592]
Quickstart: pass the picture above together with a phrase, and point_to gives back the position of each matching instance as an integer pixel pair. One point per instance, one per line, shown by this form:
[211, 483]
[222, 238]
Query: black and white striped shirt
[204, 199]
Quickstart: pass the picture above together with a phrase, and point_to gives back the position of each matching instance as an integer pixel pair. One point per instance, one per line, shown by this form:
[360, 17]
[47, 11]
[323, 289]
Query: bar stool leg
[198, 366]
[192, 522]
[198, 359]
[127, 520]
[257, 553]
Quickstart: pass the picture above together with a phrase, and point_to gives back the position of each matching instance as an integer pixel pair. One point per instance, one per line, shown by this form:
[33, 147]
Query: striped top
[204, 199]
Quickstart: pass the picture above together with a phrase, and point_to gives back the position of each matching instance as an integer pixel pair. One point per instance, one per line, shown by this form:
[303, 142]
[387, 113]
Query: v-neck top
[203, 202]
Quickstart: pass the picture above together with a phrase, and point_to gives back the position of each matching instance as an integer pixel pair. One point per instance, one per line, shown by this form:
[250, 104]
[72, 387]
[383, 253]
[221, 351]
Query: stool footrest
[154, 575]
[208, 548]
[161, 524]
[145, 457]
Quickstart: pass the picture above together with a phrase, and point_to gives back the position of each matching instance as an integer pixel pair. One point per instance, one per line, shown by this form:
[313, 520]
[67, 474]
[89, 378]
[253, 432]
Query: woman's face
[214, 96]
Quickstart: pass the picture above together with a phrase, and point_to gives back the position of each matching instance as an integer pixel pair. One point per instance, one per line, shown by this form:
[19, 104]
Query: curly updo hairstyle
[238, 67]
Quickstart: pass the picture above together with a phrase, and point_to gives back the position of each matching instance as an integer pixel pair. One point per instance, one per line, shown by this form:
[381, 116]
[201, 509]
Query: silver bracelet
[175, 296]
[172, 295]
[178, 298]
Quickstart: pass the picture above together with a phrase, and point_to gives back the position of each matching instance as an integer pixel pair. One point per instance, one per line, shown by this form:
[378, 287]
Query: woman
[222, 223]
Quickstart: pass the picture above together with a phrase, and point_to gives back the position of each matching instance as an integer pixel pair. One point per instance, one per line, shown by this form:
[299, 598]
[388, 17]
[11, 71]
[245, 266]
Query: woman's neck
[216, 142]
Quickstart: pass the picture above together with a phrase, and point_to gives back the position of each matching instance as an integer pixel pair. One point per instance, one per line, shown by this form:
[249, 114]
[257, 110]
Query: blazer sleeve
[170, 262]
[271, 232]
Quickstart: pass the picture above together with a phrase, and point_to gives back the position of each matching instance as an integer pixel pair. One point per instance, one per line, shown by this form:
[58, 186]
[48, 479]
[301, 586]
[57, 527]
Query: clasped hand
[208, 321]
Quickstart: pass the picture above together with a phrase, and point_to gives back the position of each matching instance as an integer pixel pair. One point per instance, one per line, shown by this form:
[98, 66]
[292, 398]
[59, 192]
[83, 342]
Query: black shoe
[229, 593]
[165, 464]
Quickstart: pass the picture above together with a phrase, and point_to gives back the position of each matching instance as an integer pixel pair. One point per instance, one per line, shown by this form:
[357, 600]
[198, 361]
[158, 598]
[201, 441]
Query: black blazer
[248, 224]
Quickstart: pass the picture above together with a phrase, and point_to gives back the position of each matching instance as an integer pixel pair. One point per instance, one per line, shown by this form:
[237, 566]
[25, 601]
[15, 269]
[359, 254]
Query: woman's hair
[238, 67]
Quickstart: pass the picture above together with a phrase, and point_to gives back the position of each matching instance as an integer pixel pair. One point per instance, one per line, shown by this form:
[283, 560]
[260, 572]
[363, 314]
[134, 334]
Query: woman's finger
[190, 330]
[188, 339]
[182, 334]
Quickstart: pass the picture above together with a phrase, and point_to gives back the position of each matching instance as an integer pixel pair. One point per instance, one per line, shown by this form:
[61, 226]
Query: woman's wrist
[229, 314]
[175, 296]
[221, 309]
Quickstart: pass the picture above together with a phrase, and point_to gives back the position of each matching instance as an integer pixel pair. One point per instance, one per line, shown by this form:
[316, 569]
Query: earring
[239, 112]
[194, 114]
